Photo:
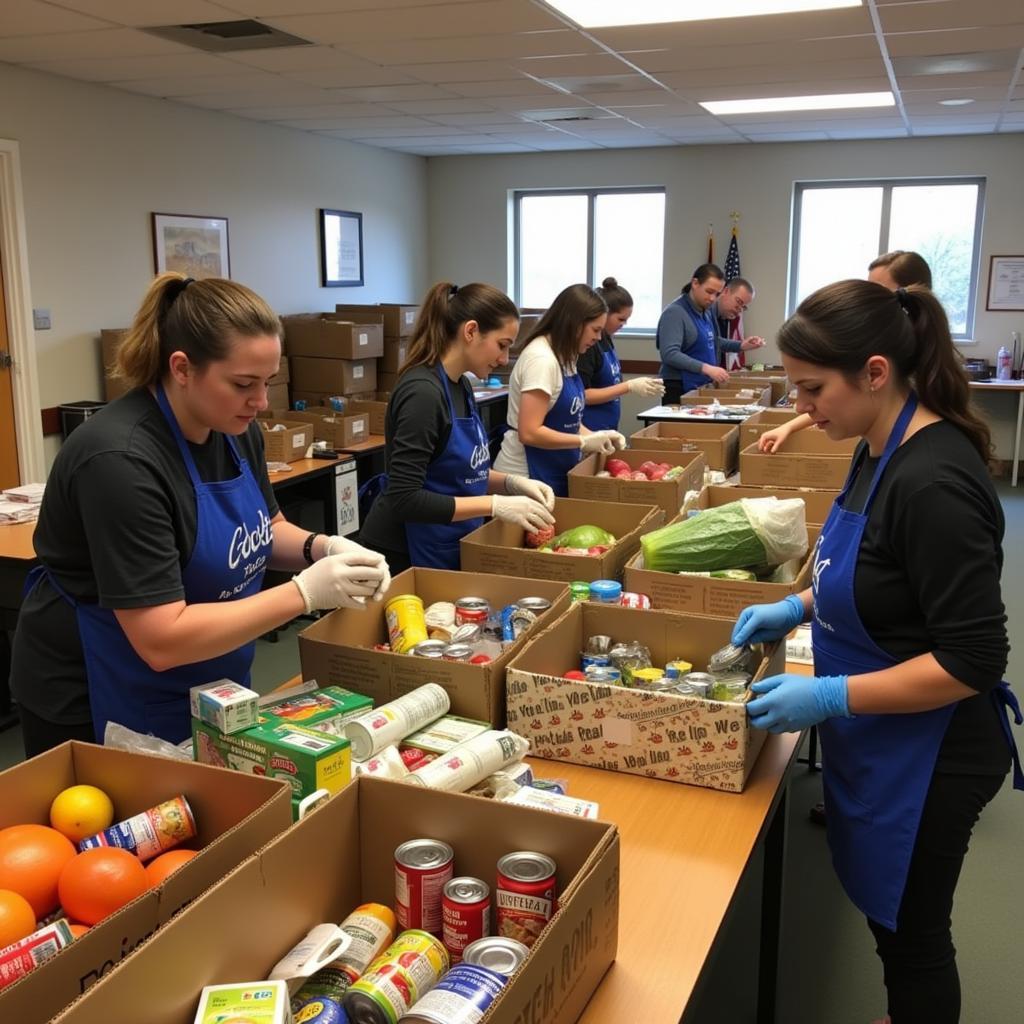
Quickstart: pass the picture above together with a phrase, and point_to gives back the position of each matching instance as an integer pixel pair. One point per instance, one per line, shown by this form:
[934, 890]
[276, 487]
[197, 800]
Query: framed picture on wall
[341, 249]
[1006, 284]
[194, 246]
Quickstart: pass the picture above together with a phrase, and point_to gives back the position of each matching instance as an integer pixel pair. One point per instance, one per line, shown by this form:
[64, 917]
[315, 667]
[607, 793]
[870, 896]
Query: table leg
[1016, 437]
[771, 911]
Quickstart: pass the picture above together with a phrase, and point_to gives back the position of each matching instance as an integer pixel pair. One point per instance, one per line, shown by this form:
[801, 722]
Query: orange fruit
[81, 811]
[31, 860]
[77, 930]
[167, 863]
[17, 918]
[99, 881]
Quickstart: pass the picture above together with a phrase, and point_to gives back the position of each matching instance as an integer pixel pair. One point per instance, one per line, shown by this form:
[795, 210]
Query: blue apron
[703, 349]
[232, 547]
[876, 768]
[605, 416]
[552, 464]
[461, 470]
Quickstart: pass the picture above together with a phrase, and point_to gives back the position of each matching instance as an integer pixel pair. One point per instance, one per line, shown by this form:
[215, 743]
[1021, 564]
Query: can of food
[589, 660]
[371, 928]
[497, 952]
[407, 625]
[525, 895]
[465, 913]
[472, 609]
[429, 649]
[319, 1010]
[700, 682]
[599, 644]
[680, 667]
[630, 599]
[664, 684]
[330, 982]
[537, 605]
[467, 633]
[462, 996]
[458, 652]
[371, 732]
[423, 867]
[149, 833]
[606, 591]
[579, 590]
[645, 676]
[605, 675]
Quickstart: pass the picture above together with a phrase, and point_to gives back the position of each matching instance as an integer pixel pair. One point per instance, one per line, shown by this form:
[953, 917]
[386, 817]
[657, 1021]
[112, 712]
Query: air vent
[549, 114]
[227, 36]
[562, 120]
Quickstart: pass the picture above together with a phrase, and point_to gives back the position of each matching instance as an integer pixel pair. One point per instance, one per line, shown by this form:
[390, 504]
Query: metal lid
[429, 649]
[701, 678]
[526, 866]
[457, 652]
[466, 890]
[362, 1008]
[424, 853]
[467, 633]
[727, 657]
[497, 953]
[606, 588]
[534, 604]
[472, 602]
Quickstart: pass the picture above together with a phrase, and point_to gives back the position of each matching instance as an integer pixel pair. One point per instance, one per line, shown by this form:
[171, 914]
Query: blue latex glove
[764, 622]
[791, 702]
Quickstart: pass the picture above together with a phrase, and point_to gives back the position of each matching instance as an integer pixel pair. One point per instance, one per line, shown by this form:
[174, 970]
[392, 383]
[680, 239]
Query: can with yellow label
[407, 625]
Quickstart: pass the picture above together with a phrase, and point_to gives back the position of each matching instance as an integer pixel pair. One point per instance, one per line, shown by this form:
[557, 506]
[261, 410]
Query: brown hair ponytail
[564, 319]
[199, 318]
[842, 325]
[445, 308]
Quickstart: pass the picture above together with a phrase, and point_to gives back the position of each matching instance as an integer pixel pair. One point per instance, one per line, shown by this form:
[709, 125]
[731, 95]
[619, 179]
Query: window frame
[887, 185]
[591, 195]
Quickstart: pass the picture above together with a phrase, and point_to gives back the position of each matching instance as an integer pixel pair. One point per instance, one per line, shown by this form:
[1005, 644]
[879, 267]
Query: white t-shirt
[536, 369]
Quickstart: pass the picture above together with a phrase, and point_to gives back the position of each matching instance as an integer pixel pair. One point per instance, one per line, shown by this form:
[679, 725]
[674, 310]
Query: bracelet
[307, 548]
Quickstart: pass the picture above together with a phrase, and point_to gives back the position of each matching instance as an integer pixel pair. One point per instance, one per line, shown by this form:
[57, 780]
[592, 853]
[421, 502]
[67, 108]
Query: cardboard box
[818, 503]
[397, 320]
[110, 339]
[333, 376]
[778, 382]
[342, 855]
[701, 398]
[375, 410]
[661, 736]
[718, 442]
[235, 815]
[277, 398]
[808, 459]
[288, 445]
[337, 429]
[282, 376]
[754, 426]
[762, 394]
[396, 351]
[338, 648]
[666, 494]
[386, 381]
[330, 336]
[497, 547]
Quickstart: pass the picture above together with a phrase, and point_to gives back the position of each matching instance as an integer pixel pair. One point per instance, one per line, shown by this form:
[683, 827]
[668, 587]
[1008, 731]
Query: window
[840, 227]
[564, 237]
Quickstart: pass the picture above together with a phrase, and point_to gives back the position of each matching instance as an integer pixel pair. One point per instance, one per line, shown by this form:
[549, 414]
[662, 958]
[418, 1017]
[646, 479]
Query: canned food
[429, 649]
[588, 660]
[522, 620]
[665, 684]
[371, 928]
[579, 591]
[330, 982]
[471, 609]
[467, 633]
[458, 652]
[319, 1010]
[462, 996]
[700, 682]
[371, 732]
[605, 591]
[629, 599]
[679, 666]
[525, 895]
[466, 914]
[645, 676]
[413, 757]
[537, 605]
[629, 657]
[497, 952]
[606, 675]
[423, 867]
[728, 657]
[407, 624]
[149, 833]
[508, 633]
[599, 644]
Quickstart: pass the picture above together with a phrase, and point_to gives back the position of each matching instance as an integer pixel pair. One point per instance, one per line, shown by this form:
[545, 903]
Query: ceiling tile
[391, 93]
[349, 78]
[124, 69]
[487, 120]
[75, 46]
[301, 58]
[320, 107]
[172, 86]
[442, 106]
[152, 12]
[514, 87]
[271, 8]
[967, 40]
[235, 102]
[32, 17]
[953, 129]
[818, 72]
[787, 136]
[459, 71]
[499, 48]
[572, 63]
[363, 115]
[923, 17]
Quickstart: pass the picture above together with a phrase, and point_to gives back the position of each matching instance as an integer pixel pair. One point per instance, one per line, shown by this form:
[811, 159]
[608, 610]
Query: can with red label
[471, 609]
[150, 833]
[629, 599]
[465, 913]
[525, 897]
[423, 867]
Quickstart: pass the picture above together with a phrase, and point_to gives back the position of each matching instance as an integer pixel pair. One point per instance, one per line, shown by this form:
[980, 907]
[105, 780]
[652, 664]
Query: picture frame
[191, 245]
[341, 249]
[1005, 284]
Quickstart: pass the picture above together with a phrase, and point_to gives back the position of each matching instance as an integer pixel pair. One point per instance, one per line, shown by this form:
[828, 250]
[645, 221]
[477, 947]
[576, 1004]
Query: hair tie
[901, 298]
[176, 288]
[453, 291]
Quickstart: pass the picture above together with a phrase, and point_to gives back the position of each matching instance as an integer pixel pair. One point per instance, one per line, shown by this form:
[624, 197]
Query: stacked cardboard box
[288, 444]
[807, 459]
[719, 442]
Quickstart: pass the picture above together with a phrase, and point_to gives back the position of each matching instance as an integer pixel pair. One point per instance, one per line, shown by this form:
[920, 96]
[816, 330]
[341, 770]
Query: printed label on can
[371, 929]
[418, 896]
[521, 915]
[390, 988]
[465, 923]
[150, 833]
[462, 996]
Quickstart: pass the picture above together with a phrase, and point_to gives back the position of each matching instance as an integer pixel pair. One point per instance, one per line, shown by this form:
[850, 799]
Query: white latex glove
[528, 488]
[649, 387]
[604, 441]
[525, 512]
[341, 581]
[342, 545]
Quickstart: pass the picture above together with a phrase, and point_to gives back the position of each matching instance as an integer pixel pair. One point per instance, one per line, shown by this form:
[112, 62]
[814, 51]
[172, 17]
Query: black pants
[673, 389]
[40, 735]
[919, 959]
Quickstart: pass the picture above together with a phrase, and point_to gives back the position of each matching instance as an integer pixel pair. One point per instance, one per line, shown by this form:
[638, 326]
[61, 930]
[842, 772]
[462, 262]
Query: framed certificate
[1005, 284]
[341, 249]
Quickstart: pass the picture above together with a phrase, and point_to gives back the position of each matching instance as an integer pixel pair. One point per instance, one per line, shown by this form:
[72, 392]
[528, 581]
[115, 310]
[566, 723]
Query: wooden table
[990, 386]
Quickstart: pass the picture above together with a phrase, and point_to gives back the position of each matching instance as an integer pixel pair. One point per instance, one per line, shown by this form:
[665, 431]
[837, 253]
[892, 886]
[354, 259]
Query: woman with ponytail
[158, 524]
[909, 631]
[439, 482]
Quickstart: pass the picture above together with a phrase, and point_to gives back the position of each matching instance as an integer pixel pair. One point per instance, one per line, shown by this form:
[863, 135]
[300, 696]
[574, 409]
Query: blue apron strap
[179, 438]
[1006, 702]
[895, 439]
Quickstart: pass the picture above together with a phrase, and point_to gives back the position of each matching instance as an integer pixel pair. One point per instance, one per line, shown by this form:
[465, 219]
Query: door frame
[18, 295]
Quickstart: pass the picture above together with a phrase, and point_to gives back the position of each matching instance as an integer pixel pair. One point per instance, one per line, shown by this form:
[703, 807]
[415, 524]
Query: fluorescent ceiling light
[955, 103]
[769, 104]
[608, 13]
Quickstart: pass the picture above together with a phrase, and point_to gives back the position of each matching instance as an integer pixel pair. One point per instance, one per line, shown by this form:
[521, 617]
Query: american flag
[734, 328]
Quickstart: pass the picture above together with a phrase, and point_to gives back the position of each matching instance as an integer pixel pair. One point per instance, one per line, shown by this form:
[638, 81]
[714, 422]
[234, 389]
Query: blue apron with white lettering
[703, 349]
[462, 470]
[876, 768]
[551, 465]
[605, 416]
[232, 547]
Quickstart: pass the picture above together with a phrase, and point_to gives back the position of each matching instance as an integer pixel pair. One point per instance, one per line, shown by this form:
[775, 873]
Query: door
[8, 437]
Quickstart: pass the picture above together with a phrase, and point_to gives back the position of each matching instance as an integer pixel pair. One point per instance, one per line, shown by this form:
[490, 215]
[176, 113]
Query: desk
[17, 559]
[1017, 386]
[679, 414]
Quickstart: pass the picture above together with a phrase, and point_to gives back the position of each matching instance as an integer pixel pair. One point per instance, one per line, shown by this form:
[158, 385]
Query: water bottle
[1004, 364]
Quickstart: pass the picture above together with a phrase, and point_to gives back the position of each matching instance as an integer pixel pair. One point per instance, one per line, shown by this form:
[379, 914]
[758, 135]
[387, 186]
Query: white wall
[468, 226]
[96, 162]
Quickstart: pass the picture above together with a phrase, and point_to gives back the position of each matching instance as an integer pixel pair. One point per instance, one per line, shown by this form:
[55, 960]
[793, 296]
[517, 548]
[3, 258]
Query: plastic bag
[780, 524]
[120, 737]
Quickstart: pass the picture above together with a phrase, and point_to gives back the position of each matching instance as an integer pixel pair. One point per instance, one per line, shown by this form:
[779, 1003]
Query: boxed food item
[500, 547]
[285, 440]
[639, 478]
[340, 647]
[396, 319]
[661, 735]
[234, 815]
[326, 709]
[718, 442]
[807, 459]
[339, 430]
[333, 376]
[331, 336]
[768, 419]
[751, 392]
[226, 705]
[341, 856]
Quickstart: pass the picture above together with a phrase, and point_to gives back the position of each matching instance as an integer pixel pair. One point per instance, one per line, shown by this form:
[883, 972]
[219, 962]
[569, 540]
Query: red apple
[540, 538]
[647, 466]
[638, 474]
[616, 466]
[657, 473]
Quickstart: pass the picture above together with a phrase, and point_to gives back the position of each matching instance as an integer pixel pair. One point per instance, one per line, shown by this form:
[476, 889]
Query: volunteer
[896, 269]
[439, 481]
[731, 304]
[688, 339]
[599, 367]
[546, 436]
[158, 524]
[908, 627]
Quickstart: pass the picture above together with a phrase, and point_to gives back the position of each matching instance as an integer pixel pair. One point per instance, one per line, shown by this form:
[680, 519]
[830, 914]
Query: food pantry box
[719, 442]
[342, 855]
[666, 494]
[338, 648]
[817, 503]
[778, 382]
[662, 736]
[235, 815]
[759, 394]
[333, 336]
[397, 320]
[807, 459]
[287, 445]
[333, 376]
[754, 426]
[339, 430]
[498, 547]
